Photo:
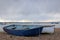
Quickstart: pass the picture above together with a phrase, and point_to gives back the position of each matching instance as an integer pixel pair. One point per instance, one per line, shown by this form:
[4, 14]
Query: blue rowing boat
[23, 30]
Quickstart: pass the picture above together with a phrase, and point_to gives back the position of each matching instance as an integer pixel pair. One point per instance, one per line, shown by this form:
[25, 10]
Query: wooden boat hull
[30, 32]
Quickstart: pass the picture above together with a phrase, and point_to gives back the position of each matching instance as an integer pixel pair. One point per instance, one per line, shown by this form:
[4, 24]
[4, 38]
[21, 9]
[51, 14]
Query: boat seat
[14, 28]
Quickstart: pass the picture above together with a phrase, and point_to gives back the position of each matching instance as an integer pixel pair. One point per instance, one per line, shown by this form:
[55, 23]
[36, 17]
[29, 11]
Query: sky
[29, 10]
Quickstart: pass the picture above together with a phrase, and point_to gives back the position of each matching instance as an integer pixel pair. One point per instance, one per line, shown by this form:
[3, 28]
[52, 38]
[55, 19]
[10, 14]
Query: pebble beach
[54, 36]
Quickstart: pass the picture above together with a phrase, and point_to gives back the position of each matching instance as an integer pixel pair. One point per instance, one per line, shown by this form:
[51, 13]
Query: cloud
[32, 10]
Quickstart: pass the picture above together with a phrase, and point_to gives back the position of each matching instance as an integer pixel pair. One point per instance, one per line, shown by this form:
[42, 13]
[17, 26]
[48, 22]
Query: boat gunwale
[21, 30]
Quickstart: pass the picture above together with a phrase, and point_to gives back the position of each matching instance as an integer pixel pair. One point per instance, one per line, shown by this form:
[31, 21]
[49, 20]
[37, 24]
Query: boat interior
[23, 27]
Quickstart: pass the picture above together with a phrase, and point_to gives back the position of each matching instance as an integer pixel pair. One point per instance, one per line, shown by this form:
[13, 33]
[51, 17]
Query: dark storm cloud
[30, 10]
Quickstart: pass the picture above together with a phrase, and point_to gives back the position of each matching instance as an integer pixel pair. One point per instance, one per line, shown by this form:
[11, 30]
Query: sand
[54, 36]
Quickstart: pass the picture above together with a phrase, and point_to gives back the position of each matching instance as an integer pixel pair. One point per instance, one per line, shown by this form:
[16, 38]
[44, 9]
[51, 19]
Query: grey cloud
[29, 9]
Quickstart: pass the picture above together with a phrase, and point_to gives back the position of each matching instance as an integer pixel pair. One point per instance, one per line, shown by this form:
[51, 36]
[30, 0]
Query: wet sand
[54, 36]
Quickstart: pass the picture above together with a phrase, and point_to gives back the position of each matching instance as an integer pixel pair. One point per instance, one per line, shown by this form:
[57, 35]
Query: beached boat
[23, 30]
